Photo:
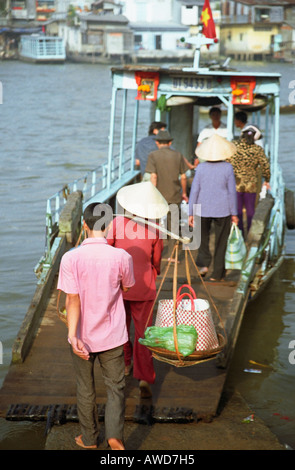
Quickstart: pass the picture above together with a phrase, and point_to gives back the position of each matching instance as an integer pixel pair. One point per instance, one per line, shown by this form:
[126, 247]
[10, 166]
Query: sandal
[203, 271]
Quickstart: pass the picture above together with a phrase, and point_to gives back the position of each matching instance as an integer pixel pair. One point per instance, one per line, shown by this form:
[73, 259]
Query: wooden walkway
[46, 380]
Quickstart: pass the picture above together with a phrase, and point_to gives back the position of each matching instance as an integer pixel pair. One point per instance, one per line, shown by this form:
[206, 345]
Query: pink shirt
[145, 246]
[95, 271]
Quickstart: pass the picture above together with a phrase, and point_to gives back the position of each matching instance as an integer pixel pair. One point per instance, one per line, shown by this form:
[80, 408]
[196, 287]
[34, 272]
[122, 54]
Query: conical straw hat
[215, 148]
[143, 200]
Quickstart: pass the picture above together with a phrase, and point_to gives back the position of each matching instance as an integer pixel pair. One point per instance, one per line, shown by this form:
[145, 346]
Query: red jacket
[142, 242]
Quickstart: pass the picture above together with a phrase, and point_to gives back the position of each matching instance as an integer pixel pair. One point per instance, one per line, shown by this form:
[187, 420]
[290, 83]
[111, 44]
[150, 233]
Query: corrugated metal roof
[158, 27]
[104, 18]
[266, 2]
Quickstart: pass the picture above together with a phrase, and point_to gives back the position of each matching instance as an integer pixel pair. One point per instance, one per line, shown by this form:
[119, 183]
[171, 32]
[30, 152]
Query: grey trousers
[112, 368]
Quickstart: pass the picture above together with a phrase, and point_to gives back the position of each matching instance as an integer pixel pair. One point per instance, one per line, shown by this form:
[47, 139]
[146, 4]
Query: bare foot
[80, 443]
[116, 444]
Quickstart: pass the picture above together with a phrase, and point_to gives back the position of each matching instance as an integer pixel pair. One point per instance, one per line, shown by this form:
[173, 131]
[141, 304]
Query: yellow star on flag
[205, 17]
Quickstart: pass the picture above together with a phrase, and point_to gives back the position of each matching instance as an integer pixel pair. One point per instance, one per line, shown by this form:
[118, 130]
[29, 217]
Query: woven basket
[174, 357]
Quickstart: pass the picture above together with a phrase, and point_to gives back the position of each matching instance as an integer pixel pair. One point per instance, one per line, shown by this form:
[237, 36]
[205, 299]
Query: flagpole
[198, 41]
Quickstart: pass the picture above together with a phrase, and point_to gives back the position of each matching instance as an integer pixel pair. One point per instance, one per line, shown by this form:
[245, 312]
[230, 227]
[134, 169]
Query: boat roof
[170, 70]
[192, 81]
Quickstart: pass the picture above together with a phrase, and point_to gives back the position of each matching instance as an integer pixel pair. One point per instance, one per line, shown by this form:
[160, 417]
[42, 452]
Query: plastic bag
[236, 249]
[162, 337]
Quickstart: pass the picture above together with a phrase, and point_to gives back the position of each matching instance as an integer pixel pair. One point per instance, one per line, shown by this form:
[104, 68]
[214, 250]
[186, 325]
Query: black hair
[248, 136]
[214, 109]
[98, 216]
[156, 125]
[241, 116]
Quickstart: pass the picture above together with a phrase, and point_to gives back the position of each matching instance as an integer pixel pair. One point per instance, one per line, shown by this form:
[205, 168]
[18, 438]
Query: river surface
[54, 128]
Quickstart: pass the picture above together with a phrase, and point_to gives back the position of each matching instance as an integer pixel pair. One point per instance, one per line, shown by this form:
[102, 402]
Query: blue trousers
[112, 368]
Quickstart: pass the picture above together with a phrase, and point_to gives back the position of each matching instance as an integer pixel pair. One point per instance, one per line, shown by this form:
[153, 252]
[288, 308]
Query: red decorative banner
[242, 90]
[147, 85]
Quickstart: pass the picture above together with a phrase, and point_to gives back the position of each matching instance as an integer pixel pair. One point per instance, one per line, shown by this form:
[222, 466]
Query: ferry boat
[39, 48]
[172, 94]
[175, 96]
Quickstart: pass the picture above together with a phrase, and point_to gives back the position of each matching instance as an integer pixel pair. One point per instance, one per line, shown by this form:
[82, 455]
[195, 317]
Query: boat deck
[45, 381]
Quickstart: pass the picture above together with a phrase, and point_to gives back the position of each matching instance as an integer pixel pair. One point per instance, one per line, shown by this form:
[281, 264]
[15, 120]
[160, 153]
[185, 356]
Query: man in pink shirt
[94, 276]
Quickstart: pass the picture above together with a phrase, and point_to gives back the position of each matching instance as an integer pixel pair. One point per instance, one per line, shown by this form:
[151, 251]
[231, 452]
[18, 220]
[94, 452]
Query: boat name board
[177, 83]
[190, 83]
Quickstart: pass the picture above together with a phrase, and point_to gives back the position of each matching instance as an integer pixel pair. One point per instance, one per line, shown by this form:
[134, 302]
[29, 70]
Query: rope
[210, 297]
[174, 303]
[175, 251]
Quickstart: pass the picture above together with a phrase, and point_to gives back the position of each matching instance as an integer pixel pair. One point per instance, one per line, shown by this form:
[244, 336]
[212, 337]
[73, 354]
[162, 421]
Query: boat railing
[50, 47]
[92, 183]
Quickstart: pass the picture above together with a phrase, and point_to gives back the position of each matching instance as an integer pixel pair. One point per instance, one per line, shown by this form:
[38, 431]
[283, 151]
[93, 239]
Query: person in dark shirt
[168, 173]
[147, 145]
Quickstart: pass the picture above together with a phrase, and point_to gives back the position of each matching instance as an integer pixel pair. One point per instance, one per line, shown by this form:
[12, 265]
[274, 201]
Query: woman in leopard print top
[248, 159]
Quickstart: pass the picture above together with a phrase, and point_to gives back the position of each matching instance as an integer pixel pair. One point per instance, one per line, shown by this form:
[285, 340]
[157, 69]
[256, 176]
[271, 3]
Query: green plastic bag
[162, 337]
[236, 249]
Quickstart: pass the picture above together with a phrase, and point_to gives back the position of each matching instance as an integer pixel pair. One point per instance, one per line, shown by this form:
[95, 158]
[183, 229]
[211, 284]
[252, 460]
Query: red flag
[208, 22]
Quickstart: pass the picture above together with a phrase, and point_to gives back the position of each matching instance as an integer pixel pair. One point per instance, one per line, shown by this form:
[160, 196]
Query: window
[158, 40]
[138, 41]
[262, 14]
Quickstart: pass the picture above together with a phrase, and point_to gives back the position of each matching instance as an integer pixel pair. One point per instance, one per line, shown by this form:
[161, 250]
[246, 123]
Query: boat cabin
[177, 96]
[40, 48]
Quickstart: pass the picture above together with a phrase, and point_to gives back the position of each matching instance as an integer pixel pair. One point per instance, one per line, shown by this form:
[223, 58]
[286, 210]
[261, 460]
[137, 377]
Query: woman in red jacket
[144, 244]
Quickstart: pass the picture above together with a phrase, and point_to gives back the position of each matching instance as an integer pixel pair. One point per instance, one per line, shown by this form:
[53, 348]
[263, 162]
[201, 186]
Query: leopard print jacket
[248, 162]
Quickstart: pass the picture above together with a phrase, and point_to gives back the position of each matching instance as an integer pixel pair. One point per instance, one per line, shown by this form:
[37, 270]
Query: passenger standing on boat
[246, 162]
[216, 127]
[145, 246]
[214, 188]
[147, 145]
[241, 120]
[168, 173]
[93, 276]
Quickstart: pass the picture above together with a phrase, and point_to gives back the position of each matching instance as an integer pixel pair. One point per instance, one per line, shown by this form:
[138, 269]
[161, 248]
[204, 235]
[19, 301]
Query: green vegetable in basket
[162, 337]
